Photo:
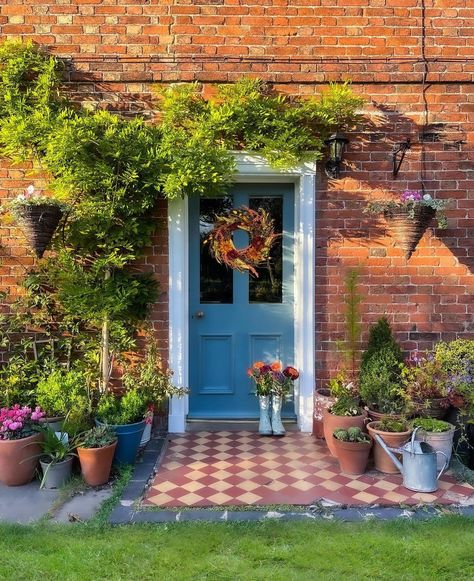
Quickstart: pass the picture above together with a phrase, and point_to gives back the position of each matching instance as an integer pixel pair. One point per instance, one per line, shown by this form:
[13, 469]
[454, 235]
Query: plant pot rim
[68, 458]
[119, 425]
[404, 433]
[324, 391]
[52, 419]
[428, 433]
[35, 435]
[350, 444]
[114, 443]
[361, 415]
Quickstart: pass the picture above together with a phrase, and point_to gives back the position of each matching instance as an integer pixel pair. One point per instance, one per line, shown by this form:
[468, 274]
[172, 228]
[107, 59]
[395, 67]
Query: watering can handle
[446, 462]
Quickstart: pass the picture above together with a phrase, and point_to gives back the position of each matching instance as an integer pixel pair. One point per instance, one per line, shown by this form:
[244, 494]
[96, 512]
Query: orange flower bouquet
[270, 379]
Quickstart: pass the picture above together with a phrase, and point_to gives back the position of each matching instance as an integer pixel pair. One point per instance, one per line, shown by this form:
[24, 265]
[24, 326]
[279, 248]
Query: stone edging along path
[127, 510]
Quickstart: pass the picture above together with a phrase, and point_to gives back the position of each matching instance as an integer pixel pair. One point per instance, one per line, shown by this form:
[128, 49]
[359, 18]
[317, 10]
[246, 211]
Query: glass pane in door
[268, 287]
[215, 278]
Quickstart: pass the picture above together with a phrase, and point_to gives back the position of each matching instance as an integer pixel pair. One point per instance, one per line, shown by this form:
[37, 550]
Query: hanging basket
[39, 222]
[409, 231]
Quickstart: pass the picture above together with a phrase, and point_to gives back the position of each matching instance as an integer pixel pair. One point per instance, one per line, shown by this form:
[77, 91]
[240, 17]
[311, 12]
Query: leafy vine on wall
[112, 170]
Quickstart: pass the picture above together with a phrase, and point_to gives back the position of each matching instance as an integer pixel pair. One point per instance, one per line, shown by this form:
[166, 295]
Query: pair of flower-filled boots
[270, 415]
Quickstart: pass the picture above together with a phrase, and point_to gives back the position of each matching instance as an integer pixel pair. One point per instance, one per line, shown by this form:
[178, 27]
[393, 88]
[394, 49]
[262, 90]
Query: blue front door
[236, 319]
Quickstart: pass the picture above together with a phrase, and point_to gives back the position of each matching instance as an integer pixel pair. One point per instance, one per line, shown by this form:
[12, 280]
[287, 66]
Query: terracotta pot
[352, 456]
[96, 464]
[434, 408]
[332, 422]
[382, 461]
[322, 400]
[377, 416]
[17, 464]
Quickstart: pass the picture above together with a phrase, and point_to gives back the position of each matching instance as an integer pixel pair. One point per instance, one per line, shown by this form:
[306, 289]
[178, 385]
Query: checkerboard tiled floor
[243, 468]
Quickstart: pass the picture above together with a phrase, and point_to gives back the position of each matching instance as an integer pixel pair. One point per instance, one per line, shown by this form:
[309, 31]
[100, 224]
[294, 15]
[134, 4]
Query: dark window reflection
[215, 278]
[268, 287]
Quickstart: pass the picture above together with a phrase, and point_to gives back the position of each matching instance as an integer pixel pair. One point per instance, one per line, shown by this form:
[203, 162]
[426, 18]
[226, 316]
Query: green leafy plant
[349, 347]
[97, 437]
[65, 393]
[391, 425]
[347, 399]
[380, 371]
[352, 434]
[126, 409]
[432, 425]
[456, 359]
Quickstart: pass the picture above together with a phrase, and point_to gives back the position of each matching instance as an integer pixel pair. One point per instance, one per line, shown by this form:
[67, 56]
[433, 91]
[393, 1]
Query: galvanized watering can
[419, 464]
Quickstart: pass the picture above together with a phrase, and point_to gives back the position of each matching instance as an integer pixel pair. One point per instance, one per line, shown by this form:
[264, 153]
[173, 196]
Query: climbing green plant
[112, 170]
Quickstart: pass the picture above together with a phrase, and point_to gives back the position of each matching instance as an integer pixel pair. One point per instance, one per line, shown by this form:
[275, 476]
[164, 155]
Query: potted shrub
[64, 394]
[56, 458]
[96, 449]
[345, 412]
[125, 414]
[20, 438]
[380, 373]
[148, 374]
[410, 216]
[38, 216]
[438, 434]
[352, 449]
[426, 385]
[394, 433]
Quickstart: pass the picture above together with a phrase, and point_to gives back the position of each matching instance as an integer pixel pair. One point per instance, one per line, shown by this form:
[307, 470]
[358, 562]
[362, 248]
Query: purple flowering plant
[411, 202]
[18, 422]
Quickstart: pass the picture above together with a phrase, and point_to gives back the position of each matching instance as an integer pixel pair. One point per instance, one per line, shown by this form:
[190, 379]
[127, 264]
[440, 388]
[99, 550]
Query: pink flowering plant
[18, 422]
[424, 379]
[411, 202]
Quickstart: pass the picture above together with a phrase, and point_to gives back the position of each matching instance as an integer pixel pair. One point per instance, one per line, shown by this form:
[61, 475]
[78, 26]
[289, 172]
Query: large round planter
[441, 442]
[332, 422]
[434, 408]
[382, 461]
[322, 401]
[376, 416]
[352, 456]
[55, 423]
[96, 464]
[57, 474]
[19, 459]
[128, 441]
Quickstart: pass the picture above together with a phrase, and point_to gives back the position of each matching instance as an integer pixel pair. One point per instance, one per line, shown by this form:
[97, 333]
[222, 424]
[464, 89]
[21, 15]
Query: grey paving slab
[83, 506]
[25, 504]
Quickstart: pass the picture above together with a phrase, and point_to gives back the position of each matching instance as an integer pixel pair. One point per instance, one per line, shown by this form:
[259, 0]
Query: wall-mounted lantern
[337, 144]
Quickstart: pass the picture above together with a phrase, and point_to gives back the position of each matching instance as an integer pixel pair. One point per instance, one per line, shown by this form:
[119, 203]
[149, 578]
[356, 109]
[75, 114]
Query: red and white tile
[242, 468]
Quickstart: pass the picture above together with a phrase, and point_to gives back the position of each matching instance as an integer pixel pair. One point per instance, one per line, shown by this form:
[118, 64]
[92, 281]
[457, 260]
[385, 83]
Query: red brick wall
[408, 57]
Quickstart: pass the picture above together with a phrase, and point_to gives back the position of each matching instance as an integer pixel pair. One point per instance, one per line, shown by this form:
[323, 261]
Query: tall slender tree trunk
[105, 348]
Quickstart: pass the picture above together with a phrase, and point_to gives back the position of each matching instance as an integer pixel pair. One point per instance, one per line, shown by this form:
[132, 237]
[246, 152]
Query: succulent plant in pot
[345, 411]
[352, 449]
[394, 432]
[96, 449]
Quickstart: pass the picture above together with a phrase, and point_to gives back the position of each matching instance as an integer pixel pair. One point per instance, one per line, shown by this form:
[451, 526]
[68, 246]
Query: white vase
[264, 425]
[277, 424]
[146, 437]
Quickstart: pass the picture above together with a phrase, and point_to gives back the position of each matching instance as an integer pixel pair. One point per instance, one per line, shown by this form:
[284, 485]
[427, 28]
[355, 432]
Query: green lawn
[438, 549]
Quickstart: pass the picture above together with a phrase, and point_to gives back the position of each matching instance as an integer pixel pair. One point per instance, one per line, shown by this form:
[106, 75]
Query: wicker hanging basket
[409, 231]
[39, 222]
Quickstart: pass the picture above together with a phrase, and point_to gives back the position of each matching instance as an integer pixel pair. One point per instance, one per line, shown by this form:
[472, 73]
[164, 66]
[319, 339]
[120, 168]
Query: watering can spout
[389, 451]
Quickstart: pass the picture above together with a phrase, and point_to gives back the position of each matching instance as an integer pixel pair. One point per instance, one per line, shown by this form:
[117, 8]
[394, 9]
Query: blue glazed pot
[128, 441]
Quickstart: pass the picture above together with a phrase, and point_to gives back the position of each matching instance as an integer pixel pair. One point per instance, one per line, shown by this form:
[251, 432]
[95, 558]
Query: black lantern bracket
[398, 154]
[337, 144]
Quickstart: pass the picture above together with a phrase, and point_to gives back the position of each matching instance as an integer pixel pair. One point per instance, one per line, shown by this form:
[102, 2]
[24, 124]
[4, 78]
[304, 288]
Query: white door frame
[250, 168]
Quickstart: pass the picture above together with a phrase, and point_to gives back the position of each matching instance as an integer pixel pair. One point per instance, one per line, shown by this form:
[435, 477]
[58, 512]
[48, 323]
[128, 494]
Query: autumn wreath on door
[259, 226]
